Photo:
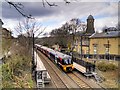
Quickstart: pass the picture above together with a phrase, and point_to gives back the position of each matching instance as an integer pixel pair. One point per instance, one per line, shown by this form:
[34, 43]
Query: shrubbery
[102, 66]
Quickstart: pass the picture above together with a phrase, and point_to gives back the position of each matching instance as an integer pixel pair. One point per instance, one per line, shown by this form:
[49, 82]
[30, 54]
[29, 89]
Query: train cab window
[67, 61]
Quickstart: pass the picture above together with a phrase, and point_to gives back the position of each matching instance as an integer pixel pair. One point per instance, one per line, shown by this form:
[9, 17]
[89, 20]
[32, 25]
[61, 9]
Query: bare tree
[20, 7]
[25, 31]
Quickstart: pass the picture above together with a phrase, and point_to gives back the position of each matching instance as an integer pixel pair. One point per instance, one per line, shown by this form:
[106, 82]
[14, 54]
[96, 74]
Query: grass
[110, 76]
[111, 79]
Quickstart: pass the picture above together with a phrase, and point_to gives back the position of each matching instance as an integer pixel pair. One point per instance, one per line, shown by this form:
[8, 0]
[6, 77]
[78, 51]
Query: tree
[67, 33]
[25, 31]
[60, 36]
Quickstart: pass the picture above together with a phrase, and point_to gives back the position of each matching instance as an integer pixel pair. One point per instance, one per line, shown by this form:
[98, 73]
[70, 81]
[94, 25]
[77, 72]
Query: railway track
[80, 82]
[56, 80]
[65, 80]
[60, 79]
[89, 82]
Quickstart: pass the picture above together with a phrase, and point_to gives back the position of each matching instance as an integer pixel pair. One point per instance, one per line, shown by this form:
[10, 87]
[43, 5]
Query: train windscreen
[67, 61]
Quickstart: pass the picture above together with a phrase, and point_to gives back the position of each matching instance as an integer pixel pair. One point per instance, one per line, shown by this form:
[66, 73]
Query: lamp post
[33, 58]
[33, 49]
[107, 46]
[81, 47]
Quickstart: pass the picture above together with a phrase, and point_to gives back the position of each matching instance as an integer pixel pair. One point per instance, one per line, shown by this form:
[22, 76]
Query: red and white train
[62, 60]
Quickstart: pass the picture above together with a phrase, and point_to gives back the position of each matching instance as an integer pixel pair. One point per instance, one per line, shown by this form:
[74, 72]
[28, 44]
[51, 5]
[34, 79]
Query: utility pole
[107, 46]
[81, 46]
[33, 50]
[33, 61]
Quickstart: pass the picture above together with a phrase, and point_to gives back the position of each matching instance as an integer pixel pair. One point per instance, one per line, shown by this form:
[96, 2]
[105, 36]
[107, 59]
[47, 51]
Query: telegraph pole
[33, 49]
[81, 47]
[108, 49]
[106, 31]
[33, 61]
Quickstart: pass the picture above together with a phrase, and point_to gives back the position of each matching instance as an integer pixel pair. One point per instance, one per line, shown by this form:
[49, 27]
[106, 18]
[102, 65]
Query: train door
[56, 59]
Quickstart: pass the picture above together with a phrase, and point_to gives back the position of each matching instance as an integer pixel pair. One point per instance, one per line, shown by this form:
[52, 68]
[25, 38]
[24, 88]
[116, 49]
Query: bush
[6, 72]
[102, 66]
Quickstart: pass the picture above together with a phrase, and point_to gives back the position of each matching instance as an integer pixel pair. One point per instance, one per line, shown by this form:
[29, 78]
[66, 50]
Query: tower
[90, 25]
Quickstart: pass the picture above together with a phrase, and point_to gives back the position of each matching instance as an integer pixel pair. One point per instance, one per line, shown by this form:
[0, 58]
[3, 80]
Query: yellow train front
[64, 61]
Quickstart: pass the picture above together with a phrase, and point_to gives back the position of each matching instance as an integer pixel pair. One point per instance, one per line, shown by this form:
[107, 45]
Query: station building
[98, 45]
[105, 45]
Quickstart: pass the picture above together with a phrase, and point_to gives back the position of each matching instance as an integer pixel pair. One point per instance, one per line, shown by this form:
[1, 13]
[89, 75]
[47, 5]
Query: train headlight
[72, 67]
[64, 68]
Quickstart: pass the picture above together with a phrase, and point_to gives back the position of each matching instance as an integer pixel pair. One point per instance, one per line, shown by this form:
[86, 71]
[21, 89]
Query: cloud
[105, 13]
[107, 21]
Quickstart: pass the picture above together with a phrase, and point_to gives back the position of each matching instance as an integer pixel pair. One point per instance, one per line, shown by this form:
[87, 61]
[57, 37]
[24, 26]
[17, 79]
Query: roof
[90, 17]
[106, 35]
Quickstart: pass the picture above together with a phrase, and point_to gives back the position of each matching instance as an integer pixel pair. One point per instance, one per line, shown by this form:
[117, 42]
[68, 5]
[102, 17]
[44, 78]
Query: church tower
[90, 25]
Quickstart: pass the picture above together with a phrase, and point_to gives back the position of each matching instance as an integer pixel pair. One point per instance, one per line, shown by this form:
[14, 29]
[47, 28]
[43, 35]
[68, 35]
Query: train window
[67, 61]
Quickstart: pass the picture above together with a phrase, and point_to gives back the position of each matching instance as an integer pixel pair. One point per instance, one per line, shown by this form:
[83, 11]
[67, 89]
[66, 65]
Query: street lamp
[107, 46]
[33, 49]
[81, 47]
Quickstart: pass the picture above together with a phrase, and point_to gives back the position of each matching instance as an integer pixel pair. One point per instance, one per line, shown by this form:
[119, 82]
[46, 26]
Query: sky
[105, 13]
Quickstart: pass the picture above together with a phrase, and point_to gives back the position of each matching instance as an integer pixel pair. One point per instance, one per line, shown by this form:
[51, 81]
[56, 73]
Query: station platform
[42, 74]
[86, 73]
[79, 67]
[40, 66]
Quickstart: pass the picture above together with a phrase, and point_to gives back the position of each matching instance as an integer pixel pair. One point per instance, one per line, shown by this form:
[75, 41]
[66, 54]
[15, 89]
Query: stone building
[105, 45]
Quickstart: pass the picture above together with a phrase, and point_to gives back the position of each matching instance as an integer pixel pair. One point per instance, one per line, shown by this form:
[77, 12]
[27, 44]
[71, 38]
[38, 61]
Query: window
[67, 61]
[95, 48]
[107, 48]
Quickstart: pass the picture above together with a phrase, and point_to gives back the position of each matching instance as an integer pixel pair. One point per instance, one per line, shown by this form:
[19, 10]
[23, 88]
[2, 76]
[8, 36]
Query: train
[64, 61]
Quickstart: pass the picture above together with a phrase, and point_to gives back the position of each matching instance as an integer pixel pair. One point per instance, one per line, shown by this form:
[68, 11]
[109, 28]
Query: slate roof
[106, 35]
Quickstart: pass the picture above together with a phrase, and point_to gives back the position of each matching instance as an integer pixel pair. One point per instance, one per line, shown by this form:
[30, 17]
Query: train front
[67, 64]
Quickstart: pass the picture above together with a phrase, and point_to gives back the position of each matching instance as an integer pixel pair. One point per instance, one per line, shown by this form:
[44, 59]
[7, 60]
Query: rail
[79, 81]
